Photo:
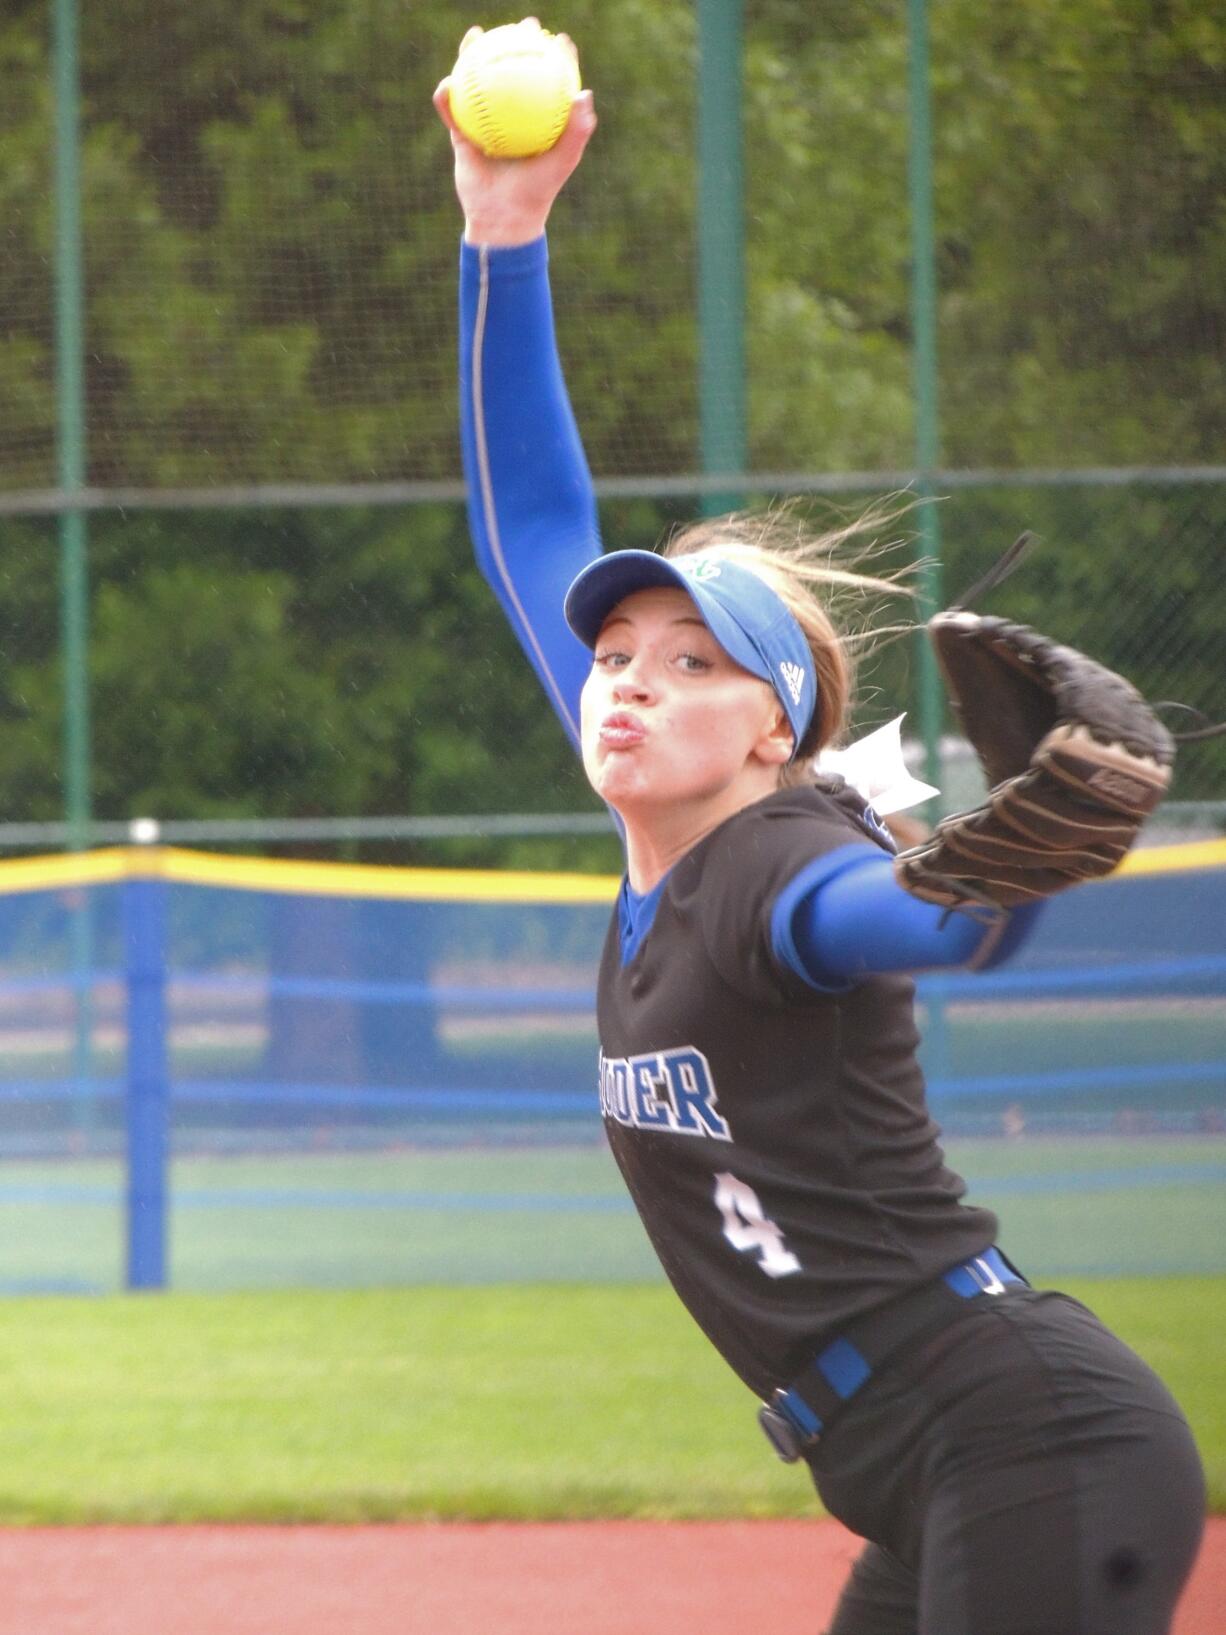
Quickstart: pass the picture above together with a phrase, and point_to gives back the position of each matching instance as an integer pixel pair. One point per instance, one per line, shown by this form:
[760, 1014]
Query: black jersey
[775, 1138]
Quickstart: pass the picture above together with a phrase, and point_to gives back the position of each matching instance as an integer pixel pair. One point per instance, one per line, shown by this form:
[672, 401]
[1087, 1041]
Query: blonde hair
[820, 579]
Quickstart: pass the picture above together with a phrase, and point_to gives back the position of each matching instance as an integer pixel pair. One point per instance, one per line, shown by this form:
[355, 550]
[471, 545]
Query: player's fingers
[474, 33]
[565, 39]
[582, 121]
[579, 127]
[442, 104]
[530, 22]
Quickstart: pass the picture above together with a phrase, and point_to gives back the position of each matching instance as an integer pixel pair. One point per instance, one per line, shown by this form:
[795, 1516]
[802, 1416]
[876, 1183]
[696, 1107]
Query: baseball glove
[1075, 760]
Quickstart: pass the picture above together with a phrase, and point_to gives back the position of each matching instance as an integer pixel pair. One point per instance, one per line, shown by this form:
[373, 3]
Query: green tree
[270, 252]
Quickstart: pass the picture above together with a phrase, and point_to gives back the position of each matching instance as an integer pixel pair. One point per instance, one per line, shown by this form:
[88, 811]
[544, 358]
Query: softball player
[1014, 1468]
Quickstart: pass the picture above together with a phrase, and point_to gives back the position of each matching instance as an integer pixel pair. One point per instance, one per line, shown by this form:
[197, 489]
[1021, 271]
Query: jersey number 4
[747, 1227]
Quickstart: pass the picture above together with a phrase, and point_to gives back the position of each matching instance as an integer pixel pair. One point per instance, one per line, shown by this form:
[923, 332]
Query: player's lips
[622, 731]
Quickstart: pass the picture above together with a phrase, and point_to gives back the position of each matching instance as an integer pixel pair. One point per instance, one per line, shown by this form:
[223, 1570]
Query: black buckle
[782, 1432]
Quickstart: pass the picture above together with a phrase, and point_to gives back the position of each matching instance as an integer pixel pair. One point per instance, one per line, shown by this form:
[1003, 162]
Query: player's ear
[774, 746]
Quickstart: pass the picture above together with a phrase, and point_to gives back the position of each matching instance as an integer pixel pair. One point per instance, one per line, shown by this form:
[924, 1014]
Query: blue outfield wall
[221, 1072]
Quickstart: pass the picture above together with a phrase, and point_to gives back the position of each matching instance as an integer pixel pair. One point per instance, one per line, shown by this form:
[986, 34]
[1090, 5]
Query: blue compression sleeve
[846, 917]
[531, 506]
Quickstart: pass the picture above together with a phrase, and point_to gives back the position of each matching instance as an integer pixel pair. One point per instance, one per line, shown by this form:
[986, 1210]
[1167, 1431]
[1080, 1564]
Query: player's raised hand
[507, 201]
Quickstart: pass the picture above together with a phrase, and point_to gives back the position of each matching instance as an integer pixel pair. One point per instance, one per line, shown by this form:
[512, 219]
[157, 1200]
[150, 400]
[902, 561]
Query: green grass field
[483, 1332]
[524, 1402]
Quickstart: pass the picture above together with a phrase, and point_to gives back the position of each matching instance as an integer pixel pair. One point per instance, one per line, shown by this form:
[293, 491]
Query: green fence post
[924, 333]
[70, 411]
[721, 246]
[71, 469]
[927, 446]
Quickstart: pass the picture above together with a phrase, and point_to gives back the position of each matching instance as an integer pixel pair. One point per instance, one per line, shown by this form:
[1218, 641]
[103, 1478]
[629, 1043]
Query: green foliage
[270, 236]
[270, 242]
[1081, 169]
[1124, 572]
[279, 664]
[384, 1405]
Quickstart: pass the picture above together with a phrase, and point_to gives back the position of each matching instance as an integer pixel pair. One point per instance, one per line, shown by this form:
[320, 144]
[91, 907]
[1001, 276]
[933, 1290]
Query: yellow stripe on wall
[312, 879]
[54, 873]
[376, 880]
[423, 885]
[1192, 854]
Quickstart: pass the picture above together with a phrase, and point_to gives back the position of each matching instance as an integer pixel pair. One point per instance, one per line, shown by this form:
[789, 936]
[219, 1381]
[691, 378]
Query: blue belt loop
[988, 1273]
[799, 1412]
[844, 1368]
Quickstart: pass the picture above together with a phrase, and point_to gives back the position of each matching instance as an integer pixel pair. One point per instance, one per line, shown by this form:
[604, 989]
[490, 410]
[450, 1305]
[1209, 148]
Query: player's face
[669, 719]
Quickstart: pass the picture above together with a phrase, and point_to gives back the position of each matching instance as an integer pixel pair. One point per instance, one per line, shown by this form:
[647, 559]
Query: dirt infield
[619, 1578]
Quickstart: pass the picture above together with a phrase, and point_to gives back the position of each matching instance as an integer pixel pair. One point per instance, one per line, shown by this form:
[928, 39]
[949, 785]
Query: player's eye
[693, 664]
[610, 658]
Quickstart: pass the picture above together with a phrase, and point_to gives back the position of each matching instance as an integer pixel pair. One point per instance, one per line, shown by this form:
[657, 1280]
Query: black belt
[796, 1416]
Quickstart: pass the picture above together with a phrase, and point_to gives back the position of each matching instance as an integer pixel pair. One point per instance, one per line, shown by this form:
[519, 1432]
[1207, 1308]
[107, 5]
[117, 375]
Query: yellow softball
[511, 89]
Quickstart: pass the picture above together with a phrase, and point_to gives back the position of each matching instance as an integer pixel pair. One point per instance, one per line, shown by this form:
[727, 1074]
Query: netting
[346, 664]
[1127, 574]
[269, 239]
[364, 1088]
[268, 265]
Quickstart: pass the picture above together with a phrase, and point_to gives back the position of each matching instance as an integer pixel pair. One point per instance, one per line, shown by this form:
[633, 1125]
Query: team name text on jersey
[663, 1090]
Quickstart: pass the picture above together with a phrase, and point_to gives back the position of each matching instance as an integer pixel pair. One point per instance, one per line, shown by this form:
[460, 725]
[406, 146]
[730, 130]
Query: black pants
[1021, 1473]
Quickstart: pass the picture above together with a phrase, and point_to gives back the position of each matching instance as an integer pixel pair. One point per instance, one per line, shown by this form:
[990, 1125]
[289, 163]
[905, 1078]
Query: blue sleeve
[531, 506]
[846, 917]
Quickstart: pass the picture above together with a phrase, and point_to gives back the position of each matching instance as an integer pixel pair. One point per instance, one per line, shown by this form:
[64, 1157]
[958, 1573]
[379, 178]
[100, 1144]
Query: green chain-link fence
[235, 579]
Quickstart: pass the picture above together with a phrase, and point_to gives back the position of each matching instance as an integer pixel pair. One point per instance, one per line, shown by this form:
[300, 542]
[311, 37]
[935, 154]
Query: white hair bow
[875, 768]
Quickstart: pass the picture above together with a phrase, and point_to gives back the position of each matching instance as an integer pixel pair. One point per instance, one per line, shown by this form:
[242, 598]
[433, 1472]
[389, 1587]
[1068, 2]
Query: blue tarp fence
[220, 1072]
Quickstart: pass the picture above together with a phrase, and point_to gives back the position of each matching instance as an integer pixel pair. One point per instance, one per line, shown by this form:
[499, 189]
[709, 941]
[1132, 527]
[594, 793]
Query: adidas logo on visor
[794, 679]
[697, 567]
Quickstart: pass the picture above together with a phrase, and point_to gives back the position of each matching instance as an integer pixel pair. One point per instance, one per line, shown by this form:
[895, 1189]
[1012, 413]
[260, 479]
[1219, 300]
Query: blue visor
[748, 619]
